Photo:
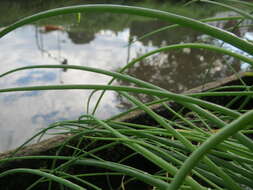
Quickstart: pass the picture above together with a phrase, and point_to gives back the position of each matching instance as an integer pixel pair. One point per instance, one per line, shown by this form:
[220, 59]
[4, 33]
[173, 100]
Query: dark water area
[98, 40]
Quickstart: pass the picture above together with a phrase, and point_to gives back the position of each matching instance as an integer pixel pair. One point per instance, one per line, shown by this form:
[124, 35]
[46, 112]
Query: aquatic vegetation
[199, 145]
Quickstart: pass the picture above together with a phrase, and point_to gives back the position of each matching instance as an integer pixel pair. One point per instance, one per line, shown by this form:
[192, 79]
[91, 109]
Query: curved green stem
[174, 26]
[166, 16]
[173, 96]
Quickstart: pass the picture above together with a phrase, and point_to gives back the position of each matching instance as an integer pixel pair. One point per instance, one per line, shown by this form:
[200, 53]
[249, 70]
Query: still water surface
[96, 41]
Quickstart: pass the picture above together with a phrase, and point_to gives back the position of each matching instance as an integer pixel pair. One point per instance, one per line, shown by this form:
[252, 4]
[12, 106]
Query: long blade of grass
[158, 93]
[174, 26]
[166, 16]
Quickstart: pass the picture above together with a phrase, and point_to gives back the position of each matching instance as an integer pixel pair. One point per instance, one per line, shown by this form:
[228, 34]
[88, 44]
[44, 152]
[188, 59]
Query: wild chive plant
[211, 149]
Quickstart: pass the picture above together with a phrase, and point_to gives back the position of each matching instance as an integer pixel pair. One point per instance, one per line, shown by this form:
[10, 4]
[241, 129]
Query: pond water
[96, 40]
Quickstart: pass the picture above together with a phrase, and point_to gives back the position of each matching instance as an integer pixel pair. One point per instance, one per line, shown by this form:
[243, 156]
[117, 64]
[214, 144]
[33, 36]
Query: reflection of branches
[129, 49]
[179, 71]
[40, 45]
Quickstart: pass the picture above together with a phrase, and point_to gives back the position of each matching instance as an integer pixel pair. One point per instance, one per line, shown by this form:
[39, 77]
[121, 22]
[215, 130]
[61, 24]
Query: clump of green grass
[209, 150]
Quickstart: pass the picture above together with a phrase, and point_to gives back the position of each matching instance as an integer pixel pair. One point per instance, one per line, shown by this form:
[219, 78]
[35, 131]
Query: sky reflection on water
[26, 112]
